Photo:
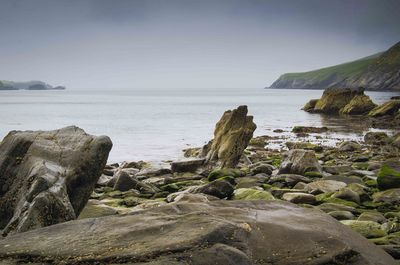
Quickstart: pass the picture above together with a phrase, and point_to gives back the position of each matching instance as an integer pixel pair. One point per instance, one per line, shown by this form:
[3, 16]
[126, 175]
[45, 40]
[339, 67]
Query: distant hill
[29, 85]
[380, 71]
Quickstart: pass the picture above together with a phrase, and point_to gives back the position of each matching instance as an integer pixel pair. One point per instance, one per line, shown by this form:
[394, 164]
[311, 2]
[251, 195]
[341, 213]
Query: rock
[216, 232]
[331, 207]
[348, 195]
[192, 152]
[105, 181]
[391, 196]
[252, 194]
[123, 181]
[367, 229]
[46, 177]
[295, 197]
[225, 172]
[261, 168]
[308, 129]
[349, 146]
[253, 181]
[345, 179]
[388, 108]
[231, 136]
[154, 171]
[389, 176]
[304, 145]
[395, 140]
[376, 138]
[292, 179]
[220, 189]
[372, 216]
[95, 209]
[333, 100]
[360, 104]
[299, 161]
[342, 215]
[392, 250]
[309, 107]
[325, 186]
[187, 165]
[337, 169]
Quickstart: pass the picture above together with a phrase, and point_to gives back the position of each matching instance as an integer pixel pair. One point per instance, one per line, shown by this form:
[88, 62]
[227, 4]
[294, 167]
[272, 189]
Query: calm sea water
[155, 124]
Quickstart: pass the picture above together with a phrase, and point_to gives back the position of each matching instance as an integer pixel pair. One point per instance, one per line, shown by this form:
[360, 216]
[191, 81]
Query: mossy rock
[173, 187]
[371, 183]
[391, 239]
[368, 229]
[229, 179]
[360, 165]
[223, 172]
[252, 194]
[266, 186]
[388, 178]
[327, 198]
[313, 174]
[95, 209]
[388, 108]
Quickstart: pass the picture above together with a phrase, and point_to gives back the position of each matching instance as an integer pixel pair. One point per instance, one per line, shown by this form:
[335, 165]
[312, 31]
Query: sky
[142, 44]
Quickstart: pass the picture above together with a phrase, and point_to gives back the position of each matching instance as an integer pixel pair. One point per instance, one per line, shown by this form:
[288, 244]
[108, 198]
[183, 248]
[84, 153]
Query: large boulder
[299, 161]
[389, 175]
[46, 177]
[360, 104]
[333, 100]
[388, 108]
[200, 233]
[231, 136]
[349, 101]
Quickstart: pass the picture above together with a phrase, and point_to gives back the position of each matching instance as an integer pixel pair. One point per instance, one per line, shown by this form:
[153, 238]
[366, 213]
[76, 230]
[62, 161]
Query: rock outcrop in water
[46, 177]
[197, 231]
[231, 136]
[341, 101]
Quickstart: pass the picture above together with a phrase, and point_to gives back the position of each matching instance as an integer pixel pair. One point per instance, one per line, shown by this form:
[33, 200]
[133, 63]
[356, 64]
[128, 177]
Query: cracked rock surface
[198, 232]
[46, 177]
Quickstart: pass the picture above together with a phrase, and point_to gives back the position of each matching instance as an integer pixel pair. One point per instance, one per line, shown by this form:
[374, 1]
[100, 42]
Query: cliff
[380, 71]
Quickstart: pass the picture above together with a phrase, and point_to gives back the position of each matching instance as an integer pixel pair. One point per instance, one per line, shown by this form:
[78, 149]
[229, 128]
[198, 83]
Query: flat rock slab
[201, 233]
[46, 177]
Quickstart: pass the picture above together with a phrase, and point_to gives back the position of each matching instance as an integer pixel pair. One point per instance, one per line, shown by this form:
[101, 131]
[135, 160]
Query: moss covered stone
[219, 173]
[368, 229]
[388, 178]
[252, 194]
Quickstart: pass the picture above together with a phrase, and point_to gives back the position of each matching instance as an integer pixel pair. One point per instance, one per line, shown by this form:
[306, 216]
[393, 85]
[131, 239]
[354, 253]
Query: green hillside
[376, 72]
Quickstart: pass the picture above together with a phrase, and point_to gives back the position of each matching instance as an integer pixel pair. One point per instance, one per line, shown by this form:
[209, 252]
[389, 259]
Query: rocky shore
[353, 102]
[233, 201]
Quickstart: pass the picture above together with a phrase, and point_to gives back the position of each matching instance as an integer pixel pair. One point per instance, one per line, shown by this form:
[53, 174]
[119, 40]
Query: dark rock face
[46, 177]
[231, 136]
[202, 233]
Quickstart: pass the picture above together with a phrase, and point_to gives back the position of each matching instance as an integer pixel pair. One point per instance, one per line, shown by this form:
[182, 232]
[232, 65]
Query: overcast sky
[186, 43]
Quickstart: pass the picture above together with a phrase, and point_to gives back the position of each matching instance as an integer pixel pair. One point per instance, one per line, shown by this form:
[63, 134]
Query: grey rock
[203, 233]
[297, 197]
[342, 215]
[299, 161]
[124, 182]
[187, 165]
[46, 177]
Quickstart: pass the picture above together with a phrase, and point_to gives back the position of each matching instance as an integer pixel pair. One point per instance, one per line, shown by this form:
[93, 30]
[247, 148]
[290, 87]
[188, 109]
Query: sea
[157, 124]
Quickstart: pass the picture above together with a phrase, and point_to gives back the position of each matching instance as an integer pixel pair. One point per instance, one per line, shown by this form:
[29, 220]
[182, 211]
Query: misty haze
[200, 132]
